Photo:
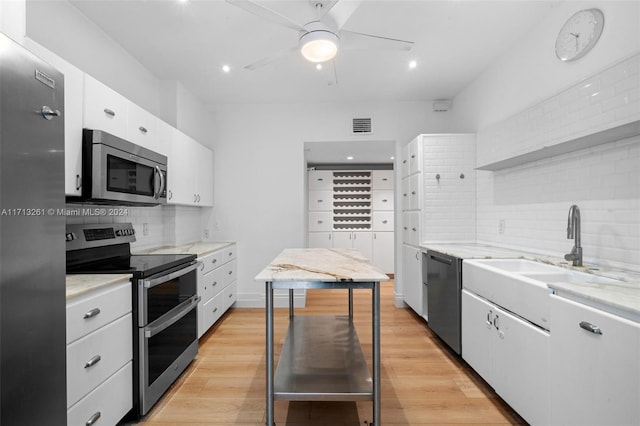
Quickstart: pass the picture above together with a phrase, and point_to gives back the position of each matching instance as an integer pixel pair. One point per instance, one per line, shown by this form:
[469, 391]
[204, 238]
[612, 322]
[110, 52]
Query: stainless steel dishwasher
[444, 287]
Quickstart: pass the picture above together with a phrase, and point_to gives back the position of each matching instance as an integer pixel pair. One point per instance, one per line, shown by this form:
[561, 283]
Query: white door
[478, 334]
[320, 240]
[412, 278]
[383, 251]
[363, 242]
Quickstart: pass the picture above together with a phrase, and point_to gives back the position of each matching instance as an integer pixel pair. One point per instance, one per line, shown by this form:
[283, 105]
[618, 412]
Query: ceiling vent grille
[362, 126]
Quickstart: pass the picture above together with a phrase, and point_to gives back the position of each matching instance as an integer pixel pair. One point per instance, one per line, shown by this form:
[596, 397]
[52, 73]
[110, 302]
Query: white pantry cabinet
[99, 356]
[510, 354]
[73, 101]
[216, 286]
[595, 373]
[359, 240]
[190, 172]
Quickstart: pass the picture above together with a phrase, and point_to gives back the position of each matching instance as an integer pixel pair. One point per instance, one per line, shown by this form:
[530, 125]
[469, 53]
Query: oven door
[167, 346]
[163, 292]
[126, 178]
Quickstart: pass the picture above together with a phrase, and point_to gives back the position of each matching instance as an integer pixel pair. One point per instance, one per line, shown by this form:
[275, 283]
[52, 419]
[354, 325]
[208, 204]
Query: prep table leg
[290, 304]
[270, 369]
[376, 353]
[351, 304]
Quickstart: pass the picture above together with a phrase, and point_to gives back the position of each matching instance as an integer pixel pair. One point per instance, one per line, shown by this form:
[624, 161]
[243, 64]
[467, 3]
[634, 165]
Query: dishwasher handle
[441, 259]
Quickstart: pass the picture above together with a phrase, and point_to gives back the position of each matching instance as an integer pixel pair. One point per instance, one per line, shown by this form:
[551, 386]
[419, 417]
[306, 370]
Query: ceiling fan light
[319, 46]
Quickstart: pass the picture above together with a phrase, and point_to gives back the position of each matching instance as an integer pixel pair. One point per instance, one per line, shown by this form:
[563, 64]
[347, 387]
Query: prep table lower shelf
[321, 360]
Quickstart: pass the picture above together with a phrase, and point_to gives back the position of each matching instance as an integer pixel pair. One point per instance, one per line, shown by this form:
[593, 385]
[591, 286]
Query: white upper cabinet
[142, 128]
[321, 180]
[72, 114]
[382, 179]
[104, 108]
[190, 172]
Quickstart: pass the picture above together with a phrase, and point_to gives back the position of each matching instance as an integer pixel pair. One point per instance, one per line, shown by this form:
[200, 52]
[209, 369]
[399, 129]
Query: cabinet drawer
[228, 273]
[230, 295]
[104, 108]
[320, 200]
[320, 180]
[320, 221]
[109, 401]
[211, 311]
[88, 313]
[216, 259]
[383, 221]
[382, 200]
[95, 357]
[382, 179]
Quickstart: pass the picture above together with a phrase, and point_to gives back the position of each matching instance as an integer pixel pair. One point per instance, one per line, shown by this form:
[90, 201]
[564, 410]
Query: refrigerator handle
[49, 113]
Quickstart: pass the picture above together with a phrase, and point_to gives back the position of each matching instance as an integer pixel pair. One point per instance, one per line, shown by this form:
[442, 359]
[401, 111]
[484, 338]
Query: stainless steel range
[164, 298]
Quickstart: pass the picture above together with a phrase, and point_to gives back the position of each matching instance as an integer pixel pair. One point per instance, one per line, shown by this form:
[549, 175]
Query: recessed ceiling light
[412, 65]
[182, 1]
[392, 158]
[350, 157]
[226, 68]
[318, 67]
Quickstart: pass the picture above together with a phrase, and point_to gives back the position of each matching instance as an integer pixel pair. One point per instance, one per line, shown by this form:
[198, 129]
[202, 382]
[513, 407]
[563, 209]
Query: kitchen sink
[512, 284]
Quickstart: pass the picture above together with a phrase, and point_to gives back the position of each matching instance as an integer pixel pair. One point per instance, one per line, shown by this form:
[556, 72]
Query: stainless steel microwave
[118, 172]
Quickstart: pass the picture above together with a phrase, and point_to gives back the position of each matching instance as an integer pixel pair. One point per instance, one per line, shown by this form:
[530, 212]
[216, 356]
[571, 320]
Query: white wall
[260, 171]
[534, 199]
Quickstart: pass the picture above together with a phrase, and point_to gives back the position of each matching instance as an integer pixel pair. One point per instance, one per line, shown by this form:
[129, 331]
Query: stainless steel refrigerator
[32, 247]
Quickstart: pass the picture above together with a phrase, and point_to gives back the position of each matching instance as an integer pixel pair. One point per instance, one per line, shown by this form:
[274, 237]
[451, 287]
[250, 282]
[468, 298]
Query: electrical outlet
[501, 226]
[145, 229]
[206, 233]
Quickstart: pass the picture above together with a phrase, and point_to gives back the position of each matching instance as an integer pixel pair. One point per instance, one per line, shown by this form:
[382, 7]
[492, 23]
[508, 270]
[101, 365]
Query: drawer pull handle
[215, 310]
[230, 272]
[230, 253]
[92, 313]
[590, 327]
[215, 283]
[111, 113]
[230, 295]
[385, 221]
[214, 260]
[93, 419]
[93, 361]
[384, 201]
[142, 129]
[384, 179]
[320, 222]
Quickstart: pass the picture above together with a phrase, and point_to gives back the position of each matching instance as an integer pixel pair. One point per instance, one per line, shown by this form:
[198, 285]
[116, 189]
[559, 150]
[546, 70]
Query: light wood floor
[423, 383]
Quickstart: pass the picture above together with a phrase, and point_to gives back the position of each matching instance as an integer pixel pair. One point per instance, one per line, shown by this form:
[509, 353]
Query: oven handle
[150, 331]
[164, 278]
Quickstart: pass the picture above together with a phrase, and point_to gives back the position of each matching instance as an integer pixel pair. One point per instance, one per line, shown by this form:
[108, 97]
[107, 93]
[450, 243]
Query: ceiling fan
[320, 39]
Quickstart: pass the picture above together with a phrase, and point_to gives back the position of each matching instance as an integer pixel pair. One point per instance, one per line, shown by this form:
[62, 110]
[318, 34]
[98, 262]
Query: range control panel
[97, 235]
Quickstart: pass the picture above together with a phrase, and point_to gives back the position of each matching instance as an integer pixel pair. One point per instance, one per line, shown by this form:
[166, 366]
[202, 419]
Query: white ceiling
[455, 41]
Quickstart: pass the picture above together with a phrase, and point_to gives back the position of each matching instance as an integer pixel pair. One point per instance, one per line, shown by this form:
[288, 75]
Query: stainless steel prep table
[321, 359]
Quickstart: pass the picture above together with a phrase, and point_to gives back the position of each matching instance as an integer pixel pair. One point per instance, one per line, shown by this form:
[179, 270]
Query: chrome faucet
[573, 231]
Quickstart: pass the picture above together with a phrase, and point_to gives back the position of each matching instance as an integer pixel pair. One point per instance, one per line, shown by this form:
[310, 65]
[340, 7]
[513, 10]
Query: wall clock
[579, 34]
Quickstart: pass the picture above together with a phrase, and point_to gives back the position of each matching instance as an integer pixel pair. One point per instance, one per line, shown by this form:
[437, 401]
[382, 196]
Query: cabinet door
[382, 179]
[204, 180]
[142, 128]
[320, 221]
[478, 334]
[383, 251]
[320, 180]
[342, 240]
[414, 192]
[320, 200]
[404, 161]
[181, 173]
[382, 200]
[595, 378]
[521, 367]
[383, 221]
[320, 240]
[412, 279]
[363, 242]
[406, 200]
[414, 155]
[104, 108]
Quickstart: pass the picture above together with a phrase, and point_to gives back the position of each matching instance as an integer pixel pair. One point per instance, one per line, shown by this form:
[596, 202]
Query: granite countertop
[200, 248]
[319, 264]
[621, 297]
[80, 284]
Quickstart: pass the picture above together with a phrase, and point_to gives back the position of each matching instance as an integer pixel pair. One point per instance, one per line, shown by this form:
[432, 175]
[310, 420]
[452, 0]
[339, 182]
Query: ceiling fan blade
[273, 58]
[353, 40]
[266, 13]
[342, 11]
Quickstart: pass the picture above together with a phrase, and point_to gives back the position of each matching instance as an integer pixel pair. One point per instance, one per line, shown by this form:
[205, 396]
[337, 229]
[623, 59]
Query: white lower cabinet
[510, 354]
[383, 250]
[412, 287]
[320, 240]
[99, 356]
[216, 286]
[595, 374]
[359, 240]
